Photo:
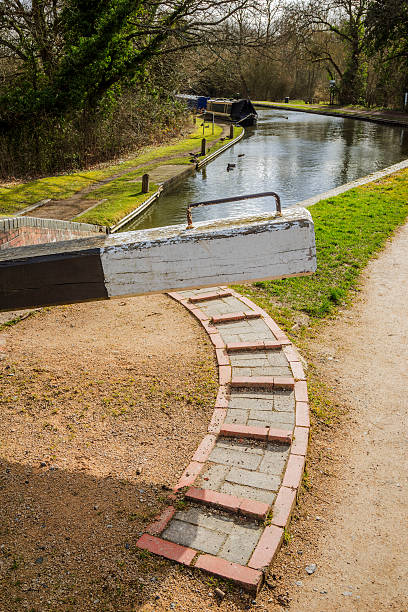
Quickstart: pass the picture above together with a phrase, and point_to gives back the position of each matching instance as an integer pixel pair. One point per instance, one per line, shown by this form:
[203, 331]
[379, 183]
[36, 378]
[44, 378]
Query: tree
[344, 20]
[387, 27]
[70, 54]
[387, 35]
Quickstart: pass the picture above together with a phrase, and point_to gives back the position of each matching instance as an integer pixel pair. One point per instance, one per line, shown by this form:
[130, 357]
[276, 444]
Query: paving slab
[284, 401]
[246, 361]
[244, 331]
[239, 545]
[241, 402]
[247, 492]
[237, 416]
[235, 456]
[263, 418]
[247, 446]
[213, 476]
[222, 306]
[245, 475]
[204, 518]
[252, 472]
[274, 459]
[194, 536]
[254, 479]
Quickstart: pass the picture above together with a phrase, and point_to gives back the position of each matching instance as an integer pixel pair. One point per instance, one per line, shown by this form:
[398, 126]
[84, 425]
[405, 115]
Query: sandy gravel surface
[87, 383]
[102, 405]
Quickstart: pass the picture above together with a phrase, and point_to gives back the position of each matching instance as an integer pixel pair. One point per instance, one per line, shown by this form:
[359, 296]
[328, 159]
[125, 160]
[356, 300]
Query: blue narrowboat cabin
[237, 111]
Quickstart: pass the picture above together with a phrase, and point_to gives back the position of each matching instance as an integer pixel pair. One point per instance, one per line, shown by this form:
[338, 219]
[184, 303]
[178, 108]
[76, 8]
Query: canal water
[298, 155]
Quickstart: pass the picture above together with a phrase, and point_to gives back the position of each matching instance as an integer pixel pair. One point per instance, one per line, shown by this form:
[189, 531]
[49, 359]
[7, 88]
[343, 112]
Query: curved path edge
[236, 530]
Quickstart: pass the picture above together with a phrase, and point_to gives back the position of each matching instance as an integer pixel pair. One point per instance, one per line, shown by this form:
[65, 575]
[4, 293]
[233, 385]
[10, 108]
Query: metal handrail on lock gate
[233, 199]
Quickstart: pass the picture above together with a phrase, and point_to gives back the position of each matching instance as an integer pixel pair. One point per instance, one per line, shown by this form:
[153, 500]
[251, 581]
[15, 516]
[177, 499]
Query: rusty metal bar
[233, 199]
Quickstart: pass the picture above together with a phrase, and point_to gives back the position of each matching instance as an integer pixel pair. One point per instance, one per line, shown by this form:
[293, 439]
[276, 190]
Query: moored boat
[241, 112]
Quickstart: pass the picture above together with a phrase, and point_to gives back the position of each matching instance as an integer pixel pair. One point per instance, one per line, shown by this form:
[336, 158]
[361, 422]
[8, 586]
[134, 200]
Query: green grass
[191, 143]
[17, 197]
[294, 103]
[14, 198]
[120, 194]
[350, 229]
[323, 107]
[121, 198]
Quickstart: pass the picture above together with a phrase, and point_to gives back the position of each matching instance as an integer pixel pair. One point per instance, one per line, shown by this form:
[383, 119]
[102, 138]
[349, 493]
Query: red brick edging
[251, 575]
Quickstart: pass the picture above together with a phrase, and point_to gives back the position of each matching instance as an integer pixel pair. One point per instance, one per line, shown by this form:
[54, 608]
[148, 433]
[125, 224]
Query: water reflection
[297, 155]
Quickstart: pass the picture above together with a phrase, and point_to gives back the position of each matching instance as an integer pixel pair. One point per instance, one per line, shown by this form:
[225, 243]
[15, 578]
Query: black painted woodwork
[50, 280]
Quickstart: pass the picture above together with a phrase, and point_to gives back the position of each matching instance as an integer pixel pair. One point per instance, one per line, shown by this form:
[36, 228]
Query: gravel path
[362, 540]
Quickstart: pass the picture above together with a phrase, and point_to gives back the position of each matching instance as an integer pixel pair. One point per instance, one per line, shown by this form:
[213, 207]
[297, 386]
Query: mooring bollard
[203, 146]
[145, 183]
[231, 131]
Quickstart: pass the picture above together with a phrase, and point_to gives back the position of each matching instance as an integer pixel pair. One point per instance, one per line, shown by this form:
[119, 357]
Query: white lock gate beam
[158, 260]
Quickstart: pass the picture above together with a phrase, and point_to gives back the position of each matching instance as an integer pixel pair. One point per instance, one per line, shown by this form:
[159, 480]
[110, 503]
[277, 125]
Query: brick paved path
[238, 492]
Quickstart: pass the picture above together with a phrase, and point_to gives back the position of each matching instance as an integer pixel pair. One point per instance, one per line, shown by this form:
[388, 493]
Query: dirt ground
[82, 387]
[102, 406]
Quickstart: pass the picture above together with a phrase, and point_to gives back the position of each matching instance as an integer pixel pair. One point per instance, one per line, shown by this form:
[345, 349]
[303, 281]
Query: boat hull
[241, 112]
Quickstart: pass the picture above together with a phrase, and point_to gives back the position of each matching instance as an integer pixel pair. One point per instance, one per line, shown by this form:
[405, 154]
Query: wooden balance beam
[158, 260]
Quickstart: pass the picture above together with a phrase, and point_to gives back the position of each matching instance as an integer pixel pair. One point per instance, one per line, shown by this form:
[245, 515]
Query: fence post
[145, 183]
[203, 146]
[231, 131]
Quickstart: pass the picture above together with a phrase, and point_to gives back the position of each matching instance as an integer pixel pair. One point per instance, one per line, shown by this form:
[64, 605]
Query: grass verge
[17, 197]
[354, 110]
[119, 200]
[350, 229]
[119, 195]
[14, 198]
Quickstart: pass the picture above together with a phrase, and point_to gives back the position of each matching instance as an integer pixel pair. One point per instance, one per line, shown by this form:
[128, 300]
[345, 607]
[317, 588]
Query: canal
[298, 155]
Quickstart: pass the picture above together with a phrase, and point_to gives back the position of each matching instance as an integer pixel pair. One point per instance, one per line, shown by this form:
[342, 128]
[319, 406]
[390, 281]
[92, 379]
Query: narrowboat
[238, 111]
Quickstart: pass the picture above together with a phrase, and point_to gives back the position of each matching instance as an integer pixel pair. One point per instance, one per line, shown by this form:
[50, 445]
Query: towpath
[353, 523]
[379, 116]
[69, 208]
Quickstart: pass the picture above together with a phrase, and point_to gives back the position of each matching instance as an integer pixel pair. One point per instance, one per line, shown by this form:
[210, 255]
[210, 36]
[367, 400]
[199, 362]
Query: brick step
[215, 295]
[231, 503]
[235, 316]
[249, 576]
[234, 430]
[262, 382]
[262, 345]
[250, 579]
[240, 474]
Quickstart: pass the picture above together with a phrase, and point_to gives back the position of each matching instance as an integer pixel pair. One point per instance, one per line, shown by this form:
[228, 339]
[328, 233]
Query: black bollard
[145, 183]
